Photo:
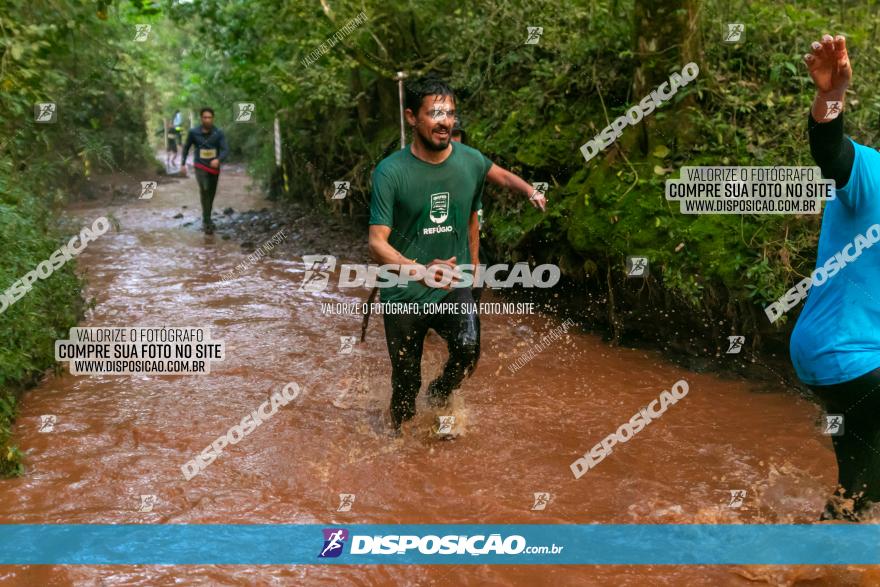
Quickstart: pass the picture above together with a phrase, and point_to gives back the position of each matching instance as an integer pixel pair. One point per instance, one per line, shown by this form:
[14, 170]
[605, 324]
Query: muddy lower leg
[461, 331]
[858, 448]
[405, 335]
[207, 189]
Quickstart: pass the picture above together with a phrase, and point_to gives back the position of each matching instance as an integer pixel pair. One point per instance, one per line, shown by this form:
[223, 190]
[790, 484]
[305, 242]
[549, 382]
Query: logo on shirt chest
[439, 207]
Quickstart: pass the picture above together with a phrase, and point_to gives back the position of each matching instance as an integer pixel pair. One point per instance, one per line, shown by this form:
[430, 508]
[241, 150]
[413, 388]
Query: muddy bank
[306, 231]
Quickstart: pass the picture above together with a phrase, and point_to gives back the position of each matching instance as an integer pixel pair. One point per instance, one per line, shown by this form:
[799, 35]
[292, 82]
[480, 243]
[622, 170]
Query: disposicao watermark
[820, 275]
[346, 500]
[319, 267]
[244, 112]
[629, 429]
[255, 256]
[400, 308]
[551, 337]
[238, 431]
[325, 47]
[750, 190]
[663, 93]
[56, 260]
[541, 500]
[737, 498]
[431, 544]
[128, 350]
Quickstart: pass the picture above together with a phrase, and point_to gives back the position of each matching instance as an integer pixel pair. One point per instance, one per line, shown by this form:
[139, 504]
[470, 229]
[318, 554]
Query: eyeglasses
[440, 114]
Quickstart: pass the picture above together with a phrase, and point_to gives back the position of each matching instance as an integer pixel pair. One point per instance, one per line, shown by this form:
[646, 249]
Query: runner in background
[172, 147]
[177, 125]
[211, 149]
[170, 138]
[835, 345]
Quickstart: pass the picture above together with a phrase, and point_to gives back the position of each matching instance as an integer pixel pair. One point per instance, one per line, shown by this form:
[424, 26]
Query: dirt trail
[117, 438]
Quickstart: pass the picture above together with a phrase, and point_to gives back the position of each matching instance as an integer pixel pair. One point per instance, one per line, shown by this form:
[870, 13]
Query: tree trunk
[665, 39]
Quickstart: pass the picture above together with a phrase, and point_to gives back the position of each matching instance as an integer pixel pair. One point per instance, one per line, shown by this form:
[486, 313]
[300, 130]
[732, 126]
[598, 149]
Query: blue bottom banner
[430, 544]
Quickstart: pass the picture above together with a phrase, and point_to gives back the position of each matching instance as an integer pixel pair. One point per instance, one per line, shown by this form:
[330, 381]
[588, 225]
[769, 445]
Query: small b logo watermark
[141, 32]
[47, 423]
[147, 503]
[541, 501]
[147, 189]
[346, 500]
[346, 344]
[734, 32]
[737, 497]
[45, 112]
[833, 109]
[833, 425]
[445, 425]
[244, 112]
[533, 34]
[735, 344]
[539, 190]
[636, 266]
[340, 189]
[317, 274]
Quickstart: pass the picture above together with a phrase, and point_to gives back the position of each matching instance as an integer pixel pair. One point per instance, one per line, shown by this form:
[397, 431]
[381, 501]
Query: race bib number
[207, 153]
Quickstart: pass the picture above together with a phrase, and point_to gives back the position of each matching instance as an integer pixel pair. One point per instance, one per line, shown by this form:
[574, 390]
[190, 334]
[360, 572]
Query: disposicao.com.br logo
[450, 544]
[319, 269]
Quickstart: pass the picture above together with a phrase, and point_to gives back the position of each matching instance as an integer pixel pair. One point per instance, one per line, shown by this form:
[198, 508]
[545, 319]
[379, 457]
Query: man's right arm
[381, 250]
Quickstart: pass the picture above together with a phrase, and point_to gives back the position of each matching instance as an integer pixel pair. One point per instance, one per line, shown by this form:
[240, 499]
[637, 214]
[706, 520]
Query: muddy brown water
[120, 437]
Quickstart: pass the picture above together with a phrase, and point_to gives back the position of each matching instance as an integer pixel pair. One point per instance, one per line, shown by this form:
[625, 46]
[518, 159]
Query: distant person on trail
[835, 345]
[177, 125]
[211, 149]
[423, 213]
[171, 149]
[170, 138]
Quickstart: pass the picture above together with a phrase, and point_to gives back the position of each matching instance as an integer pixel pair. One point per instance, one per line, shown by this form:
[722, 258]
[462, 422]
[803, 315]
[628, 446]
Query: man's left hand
[215, 163]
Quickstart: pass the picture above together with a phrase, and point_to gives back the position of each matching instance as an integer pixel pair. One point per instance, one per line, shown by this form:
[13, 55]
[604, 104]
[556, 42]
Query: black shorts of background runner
[405, 335]
[207, 189]
[858, 448]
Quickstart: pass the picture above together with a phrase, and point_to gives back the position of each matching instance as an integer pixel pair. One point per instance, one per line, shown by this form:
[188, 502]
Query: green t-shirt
[428, 207]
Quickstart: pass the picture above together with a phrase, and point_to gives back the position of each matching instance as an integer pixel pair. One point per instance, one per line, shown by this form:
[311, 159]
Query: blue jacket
[208, 147]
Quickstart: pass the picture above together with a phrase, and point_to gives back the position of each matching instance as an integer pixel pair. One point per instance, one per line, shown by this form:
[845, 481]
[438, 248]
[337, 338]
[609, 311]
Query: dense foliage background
[82, 57]
[528, 107]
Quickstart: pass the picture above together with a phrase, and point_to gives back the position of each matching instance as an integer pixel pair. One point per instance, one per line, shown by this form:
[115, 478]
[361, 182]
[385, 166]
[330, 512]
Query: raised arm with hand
[829, 66]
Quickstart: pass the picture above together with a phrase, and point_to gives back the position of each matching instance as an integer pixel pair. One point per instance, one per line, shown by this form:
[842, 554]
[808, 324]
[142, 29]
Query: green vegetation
[81, 57]
[530, 107]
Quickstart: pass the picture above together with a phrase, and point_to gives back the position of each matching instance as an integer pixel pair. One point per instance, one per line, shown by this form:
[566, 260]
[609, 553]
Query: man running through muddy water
[211, 150]
[423, 213]
[835, 345]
